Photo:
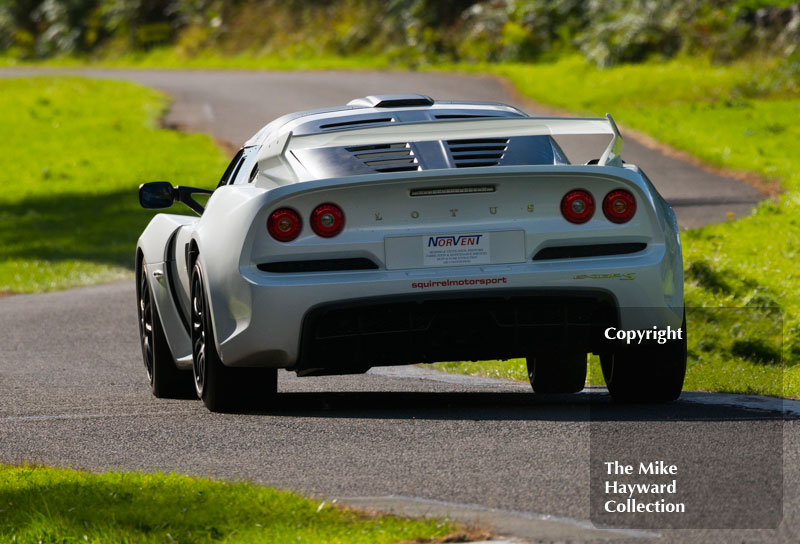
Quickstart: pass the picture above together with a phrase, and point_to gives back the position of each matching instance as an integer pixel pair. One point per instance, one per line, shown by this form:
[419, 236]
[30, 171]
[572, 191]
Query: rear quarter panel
[154, 245]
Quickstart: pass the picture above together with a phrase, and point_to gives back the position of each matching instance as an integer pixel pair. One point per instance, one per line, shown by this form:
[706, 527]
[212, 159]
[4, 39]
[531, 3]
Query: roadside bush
[605, 32]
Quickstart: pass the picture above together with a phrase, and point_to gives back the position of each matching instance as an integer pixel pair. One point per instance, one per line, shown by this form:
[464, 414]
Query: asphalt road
[73, 392]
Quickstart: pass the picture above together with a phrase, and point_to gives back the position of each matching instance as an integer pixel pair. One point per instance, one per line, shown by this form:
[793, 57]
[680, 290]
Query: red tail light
[577, 206]
[284, 224]
[619, 206]
[327, 220]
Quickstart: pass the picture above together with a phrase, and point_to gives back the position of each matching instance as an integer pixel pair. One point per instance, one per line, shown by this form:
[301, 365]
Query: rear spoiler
[272, 155]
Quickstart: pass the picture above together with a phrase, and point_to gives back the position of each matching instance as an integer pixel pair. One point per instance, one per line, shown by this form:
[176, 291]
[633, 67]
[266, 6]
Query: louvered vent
[477, 152]
[355, 123]
[386, 157]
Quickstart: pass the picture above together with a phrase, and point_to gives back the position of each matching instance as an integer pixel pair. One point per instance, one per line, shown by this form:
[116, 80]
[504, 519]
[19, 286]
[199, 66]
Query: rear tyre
[167, 381]
[646, 373]
[553, 372]
[222, 388]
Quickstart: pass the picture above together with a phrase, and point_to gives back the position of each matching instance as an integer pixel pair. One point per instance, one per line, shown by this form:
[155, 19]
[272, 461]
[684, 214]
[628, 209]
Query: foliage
[79, 148]
[39, 504]
[606, 32]
[43, 28]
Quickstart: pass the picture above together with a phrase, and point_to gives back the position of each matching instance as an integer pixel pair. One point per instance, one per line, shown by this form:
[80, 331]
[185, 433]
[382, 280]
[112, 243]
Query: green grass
[172, 58]
[711, 371]
[75, 152]
[39, 504]
[511, 369]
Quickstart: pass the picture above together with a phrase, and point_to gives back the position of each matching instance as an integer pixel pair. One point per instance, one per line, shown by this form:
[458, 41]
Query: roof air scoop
[392, 101]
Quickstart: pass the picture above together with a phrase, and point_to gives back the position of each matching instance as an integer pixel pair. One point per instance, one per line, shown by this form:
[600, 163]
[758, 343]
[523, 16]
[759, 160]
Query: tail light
[619, 206]
[284, 224]
[577, 206]
[327, 220]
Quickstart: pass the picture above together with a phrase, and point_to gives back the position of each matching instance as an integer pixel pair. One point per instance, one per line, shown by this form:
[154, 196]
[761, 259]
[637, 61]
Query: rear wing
[272, 155]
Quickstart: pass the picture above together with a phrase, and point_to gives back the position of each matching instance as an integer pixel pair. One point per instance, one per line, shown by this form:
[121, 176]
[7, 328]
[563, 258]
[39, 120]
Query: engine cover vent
[477, 152]
[357, 123]
[386, 157]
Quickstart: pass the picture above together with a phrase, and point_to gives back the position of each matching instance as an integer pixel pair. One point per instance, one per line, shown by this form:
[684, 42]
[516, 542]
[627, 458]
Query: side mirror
[161, 194]
[156, 195]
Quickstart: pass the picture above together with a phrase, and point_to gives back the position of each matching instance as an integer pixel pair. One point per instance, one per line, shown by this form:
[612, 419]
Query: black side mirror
[161, 194]
[156, 195]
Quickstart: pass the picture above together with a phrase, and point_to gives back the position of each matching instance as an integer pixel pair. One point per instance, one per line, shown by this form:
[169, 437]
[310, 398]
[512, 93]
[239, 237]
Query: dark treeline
[415, 31]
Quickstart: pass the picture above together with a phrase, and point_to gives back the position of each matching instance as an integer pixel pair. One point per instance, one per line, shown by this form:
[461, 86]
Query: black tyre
[167, 381]
[222, 388]
[647, 373]
[553, 372]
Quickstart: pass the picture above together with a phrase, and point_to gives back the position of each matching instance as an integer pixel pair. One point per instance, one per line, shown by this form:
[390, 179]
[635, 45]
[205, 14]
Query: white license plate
[456, 249]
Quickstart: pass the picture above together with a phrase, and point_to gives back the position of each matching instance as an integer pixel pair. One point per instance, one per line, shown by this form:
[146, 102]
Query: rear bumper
[371, 317]
[356, 335]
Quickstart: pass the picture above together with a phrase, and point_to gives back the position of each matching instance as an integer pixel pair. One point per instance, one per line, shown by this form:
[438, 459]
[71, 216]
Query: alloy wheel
[198, 333]
[146, 323]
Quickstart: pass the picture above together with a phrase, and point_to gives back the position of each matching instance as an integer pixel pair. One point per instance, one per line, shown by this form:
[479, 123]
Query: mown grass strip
[75, 150]
[171, 58]
[40, 504]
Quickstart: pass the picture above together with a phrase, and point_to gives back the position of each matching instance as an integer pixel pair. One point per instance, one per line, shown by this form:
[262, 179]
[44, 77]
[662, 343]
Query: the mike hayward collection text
[628, 503]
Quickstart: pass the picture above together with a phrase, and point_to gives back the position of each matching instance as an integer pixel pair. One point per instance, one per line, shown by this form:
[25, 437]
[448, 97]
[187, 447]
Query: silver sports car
[400, 230]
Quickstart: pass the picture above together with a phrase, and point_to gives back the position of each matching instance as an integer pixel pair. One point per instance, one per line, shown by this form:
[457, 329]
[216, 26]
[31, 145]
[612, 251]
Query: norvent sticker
[456, 249]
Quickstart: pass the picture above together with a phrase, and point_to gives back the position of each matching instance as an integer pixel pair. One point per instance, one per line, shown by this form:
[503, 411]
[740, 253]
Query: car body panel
[156, 251]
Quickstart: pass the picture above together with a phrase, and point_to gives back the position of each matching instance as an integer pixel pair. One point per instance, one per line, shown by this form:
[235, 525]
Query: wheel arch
[151, 255]
[139, 261]
[213, 300]
[217, 249]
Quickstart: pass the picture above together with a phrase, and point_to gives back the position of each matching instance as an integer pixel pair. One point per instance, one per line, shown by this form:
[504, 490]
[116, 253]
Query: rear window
[410, 157]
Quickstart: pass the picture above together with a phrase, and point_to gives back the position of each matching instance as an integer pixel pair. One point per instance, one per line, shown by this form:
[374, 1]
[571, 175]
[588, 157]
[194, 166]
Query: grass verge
[76, 150]
[171, 58]
[39, 504]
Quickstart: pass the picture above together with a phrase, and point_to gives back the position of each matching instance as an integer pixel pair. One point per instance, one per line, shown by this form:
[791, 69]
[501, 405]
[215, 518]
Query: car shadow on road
[501, 406]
